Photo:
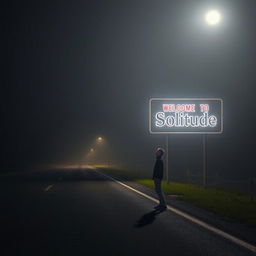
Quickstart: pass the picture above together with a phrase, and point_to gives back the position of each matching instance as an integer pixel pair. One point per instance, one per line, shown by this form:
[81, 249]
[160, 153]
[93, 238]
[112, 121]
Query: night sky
[75, 70]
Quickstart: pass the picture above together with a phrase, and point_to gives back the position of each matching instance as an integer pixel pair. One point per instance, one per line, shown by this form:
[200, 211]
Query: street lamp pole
[212, 18]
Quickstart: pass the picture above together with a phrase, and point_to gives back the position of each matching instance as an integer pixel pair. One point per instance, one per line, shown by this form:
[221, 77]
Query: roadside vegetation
[235, 206]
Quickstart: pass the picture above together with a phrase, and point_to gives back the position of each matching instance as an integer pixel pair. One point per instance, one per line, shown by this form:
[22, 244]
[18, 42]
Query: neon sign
[186, 115]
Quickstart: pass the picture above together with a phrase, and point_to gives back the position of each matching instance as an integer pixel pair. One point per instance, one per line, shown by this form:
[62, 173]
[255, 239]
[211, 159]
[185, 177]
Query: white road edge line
[191, 218]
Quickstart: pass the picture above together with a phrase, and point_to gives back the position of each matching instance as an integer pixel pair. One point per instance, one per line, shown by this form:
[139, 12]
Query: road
[81, 212]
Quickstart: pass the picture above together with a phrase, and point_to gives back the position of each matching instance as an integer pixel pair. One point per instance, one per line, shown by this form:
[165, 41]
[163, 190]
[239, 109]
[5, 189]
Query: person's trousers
[159, 192]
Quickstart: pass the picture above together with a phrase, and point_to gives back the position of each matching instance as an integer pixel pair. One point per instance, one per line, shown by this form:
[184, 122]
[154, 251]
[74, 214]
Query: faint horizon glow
[213, 17]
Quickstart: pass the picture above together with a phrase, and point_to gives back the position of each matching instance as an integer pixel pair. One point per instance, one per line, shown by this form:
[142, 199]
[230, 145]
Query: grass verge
[237, 207]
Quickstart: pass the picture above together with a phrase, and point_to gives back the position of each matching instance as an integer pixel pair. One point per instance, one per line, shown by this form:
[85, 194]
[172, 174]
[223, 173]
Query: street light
[102, 147]
[213, 17]
[99, 139]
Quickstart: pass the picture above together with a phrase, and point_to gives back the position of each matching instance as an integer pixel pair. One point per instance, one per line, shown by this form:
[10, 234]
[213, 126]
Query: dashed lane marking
[48, 188]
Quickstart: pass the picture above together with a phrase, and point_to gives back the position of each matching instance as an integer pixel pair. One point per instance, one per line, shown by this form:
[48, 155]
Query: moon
[213, 17]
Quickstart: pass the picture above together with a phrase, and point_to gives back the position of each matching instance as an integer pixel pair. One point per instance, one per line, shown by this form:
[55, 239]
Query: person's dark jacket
[158, 169]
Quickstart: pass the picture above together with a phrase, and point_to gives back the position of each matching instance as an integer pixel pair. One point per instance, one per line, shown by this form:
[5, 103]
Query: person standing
[157, 177]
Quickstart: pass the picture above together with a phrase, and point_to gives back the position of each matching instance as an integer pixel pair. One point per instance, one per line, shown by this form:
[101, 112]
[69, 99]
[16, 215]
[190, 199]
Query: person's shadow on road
[147, 219]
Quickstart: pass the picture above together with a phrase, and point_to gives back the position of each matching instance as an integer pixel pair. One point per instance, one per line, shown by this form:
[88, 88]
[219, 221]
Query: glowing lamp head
[99, 139]
[213, 17]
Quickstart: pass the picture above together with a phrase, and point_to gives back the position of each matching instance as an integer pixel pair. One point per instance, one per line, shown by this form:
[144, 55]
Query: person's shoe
[162, 208]
[157, 207]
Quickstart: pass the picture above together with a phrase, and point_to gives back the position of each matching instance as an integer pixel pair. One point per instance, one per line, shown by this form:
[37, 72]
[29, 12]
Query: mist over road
[73, 212]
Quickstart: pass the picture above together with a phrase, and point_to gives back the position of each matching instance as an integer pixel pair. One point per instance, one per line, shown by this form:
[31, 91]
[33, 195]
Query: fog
[78, 70]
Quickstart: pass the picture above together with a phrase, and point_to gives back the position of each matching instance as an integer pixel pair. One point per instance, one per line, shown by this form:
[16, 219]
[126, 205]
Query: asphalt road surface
[81, 212]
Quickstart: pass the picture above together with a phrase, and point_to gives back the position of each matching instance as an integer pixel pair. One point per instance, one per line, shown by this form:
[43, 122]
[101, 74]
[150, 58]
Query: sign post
[186, 116]
[167, 160]
[204, 160]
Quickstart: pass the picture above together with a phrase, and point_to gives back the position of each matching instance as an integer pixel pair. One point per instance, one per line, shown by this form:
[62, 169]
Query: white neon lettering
[170, 121]
[187, 121]
[160, 121]
[212, 121]
[202, 120]
[179, 119]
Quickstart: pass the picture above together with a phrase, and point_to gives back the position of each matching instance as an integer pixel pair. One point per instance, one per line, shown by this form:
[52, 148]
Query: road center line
[48, 188]
[190, 218]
